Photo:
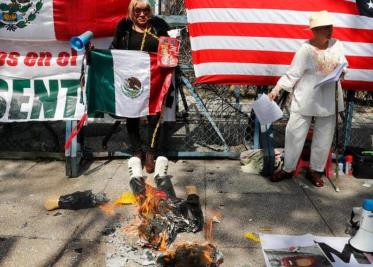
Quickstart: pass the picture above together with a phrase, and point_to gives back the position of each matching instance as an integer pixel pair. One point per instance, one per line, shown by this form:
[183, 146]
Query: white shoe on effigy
[161, 167]
[134, 167]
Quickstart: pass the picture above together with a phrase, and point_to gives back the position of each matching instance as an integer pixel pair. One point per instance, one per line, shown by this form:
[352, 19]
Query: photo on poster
[310, 256]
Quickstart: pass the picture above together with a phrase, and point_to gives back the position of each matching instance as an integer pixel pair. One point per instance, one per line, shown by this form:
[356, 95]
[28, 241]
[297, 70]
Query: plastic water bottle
[340, 168]
[348, 166]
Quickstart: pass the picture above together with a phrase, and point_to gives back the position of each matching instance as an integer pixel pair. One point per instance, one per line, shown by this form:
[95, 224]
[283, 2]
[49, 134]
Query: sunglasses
[138, 11]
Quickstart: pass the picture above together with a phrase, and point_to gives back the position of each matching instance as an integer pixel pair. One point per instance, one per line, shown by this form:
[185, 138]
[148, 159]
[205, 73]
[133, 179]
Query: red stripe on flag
[237, 79]
[242, 56]
[160, 81]
[274, 30]
[357, 85]
[71, 18]
[357, 62]
[359, 39]
[265, 57]
[341, 6]
[269, 80]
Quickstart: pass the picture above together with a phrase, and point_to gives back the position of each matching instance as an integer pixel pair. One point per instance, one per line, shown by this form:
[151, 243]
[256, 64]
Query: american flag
[254, 41]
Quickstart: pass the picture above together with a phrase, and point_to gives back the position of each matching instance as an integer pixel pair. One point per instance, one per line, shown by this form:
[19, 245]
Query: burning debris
[164, 215]
[161, 217]
[191, 254]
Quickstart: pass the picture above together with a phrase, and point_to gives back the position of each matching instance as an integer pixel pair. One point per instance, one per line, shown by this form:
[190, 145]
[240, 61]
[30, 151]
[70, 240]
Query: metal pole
[336, 180]
[348, 118]
[157, 7]
[201, 106]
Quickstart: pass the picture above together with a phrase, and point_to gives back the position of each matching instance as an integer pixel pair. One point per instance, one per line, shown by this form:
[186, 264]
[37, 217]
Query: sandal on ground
[315, 178]
[280, 175]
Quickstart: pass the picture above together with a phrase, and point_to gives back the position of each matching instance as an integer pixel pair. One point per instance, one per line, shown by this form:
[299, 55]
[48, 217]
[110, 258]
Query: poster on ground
[309, 250]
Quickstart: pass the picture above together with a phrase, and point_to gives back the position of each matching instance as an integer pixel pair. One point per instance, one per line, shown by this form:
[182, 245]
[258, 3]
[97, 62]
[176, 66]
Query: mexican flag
[59, 19]
[126, 83]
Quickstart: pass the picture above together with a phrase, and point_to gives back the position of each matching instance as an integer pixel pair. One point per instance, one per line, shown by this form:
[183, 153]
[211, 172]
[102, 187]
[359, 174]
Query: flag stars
[370, 4]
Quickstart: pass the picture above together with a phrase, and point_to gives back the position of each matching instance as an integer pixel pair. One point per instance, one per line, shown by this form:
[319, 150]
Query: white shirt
[309, 66]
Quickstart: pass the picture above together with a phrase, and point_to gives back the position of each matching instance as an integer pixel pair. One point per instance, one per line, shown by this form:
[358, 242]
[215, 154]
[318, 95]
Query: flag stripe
[265, 57]
[257, 39]
[72, 18]
[274, 30]
[100, 99]
[291, 17]
[270, 80]
[268, 44]
[242, 56]
[265, 70]
[341, 6]
[160, 83]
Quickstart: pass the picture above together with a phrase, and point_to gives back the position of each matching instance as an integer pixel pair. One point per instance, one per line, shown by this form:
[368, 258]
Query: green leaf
[13, 9]
[31, 17]
[21, 24]
[4, 7]
[39, 5]
[24, 8]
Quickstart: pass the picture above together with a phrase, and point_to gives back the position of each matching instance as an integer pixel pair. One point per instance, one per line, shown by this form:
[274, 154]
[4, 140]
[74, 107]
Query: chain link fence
[228, 106]
[362, 121]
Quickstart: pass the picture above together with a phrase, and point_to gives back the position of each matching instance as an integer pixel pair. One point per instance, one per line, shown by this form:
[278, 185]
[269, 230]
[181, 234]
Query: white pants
[295, 136]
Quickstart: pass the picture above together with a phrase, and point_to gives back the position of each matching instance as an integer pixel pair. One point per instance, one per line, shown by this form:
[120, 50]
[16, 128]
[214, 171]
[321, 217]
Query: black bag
[362, 163]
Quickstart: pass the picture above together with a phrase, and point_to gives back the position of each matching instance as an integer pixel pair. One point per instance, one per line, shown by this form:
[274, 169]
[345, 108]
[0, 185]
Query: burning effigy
[161, 216]
[192, 254]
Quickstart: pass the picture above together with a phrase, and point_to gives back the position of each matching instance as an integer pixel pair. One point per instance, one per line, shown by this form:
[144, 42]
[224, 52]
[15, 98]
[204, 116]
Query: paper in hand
[332, 77]
[266, 111]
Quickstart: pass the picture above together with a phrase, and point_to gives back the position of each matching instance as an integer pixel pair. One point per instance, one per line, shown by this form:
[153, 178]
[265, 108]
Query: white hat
[319, 19]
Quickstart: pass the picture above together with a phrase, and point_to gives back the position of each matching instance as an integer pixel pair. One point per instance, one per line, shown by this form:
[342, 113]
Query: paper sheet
[266, 111]
[286, 250]
[332, 77]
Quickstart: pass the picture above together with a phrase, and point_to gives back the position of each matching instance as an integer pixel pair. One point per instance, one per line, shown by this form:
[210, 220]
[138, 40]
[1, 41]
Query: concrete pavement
[32, 236]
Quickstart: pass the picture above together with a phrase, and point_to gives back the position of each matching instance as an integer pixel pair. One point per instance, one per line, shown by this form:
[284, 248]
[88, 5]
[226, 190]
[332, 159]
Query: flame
[192, 254]
[207, 257]
[149, 204]
[149, 207]
[215, 217]
[163, 243]
[108, 209]
[126, 198]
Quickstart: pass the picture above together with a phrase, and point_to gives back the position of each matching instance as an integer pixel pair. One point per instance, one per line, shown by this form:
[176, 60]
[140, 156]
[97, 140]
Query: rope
[147, 32]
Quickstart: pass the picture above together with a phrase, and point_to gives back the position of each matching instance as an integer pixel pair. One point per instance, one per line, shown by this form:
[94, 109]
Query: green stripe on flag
[100, 84]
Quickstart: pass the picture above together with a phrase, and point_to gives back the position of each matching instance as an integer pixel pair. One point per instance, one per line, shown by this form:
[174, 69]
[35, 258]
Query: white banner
[40, 81]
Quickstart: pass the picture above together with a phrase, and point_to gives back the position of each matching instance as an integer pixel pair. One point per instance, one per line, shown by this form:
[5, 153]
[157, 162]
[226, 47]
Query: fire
[150, 203]
[108, 209]
[207, 255]
[192, 254]
[163, 243]
[150, 209]
[215, 218]
[126, 198]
